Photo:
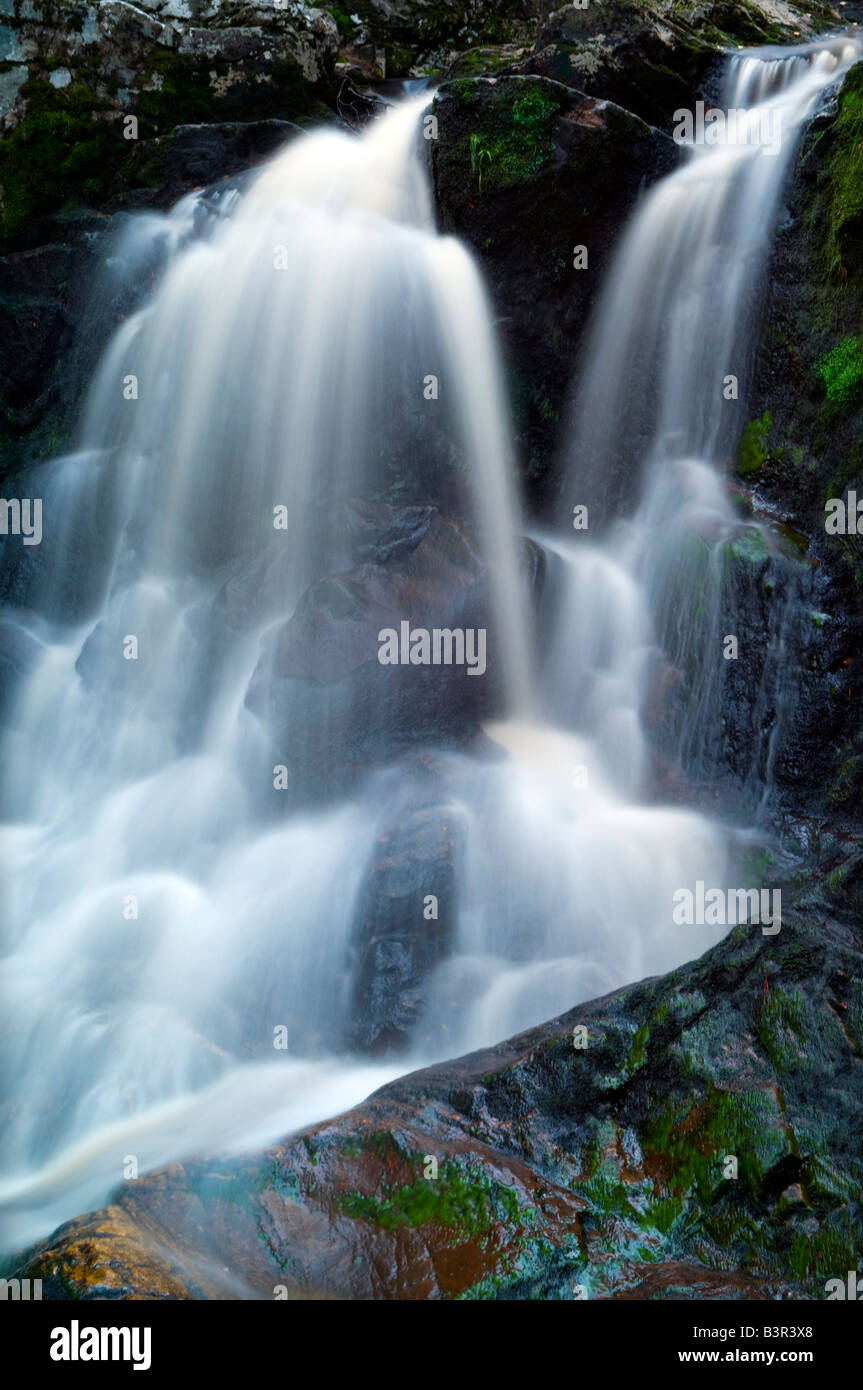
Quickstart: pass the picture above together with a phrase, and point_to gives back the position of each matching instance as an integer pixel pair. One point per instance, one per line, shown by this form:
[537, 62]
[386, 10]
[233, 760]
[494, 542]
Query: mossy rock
[73, 145]
[754, 451]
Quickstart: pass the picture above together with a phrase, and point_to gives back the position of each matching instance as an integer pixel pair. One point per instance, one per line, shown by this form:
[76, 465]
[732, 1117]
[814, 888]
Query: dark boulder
[655, 57]
[36, 327]
[405, 921]
[638, 52]
[201, 154]
[337, 711]
[527, 170]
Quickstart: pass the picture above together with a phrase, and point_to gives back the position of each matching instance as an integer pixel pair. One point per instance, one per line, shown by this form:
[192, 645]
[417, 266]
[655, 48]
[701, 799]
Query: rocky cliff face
[804, 440]
[108, 107]
[529, 170]
[559, 1169]
[88, 91]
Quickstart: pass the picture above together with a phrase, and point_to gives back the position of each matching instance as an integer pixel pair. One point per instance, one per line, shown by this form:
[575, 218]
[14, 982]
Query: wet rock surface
[655, 57]
[563, 1171]
[424, 570]
[529, 171]
[803, 445]
[405, 925]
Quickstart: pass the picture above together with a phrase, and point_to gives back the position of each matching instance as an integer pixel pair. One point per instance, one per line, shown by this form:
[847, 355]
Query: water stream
[164, 920]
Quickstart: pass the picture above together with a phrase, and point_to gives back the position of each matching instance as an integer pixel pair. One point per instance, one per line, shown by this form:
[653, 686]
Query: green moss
[841, 370]
[343, 19]
[607, 1195]
[693, 1143]
[826, 1182]
[663, 1213]
[184, 93]
[847, 471]
[516, 146]
[753, 446]
[479, 155]
[638, 1051]
[463, 1199]
[737, 22]
[466, 91]
[481, 62]
[70, 147]
[802, 957]
[846, 179]
[757, 864]
[854, 1021]
[827, 1254]
[780, 1027]
[834, 880]
[61, 151]
[749, 545]
[848, 782]
[286, 1184]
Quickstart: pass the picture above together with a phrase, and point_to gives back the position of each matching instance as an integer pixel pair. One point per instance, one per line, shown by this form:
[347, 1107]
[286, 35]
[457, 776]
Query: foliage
[841, 370]
[846, 170]
[521, 143]
[57, 153]
[753, 446]
[478, 153]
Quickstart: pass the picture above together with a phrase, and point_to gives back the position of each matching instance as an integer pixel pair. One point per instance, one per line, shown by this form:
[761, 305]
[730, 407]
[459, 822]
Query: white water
[152, 1036]
[651, 424]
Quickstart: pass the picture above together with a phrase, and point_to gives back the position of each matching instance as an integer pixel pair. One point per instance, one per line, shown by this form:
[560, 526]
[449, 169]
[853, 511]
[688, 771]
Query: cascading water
[159, 921]
[658, 408]
[164, 919]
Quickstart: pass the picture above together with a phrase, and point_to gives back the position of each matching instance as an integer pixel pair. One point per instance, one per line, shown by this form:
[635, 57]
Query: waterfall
[660, 404]
[164, 918]
[313, 348]
[681, 301]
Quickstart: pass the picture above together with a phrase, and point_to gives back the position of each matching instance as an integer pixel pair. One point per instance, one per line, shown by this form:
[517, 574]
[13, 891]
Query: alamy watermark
[440, 646]
[19, 516]
[20, 1290]
[844, 519]
[77, 1343]
[712, 126]
[850, 1288]
[720, 907]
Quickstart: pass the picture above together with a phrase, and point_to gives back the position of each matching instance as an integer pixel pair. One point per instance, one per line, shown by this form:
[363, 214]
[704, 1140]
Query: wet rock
[562, 1172]
[129, 78]
[408, 37]
[35, 327]
[528, 170]
[319, 681]
[106, 1255]
[805, 413]
[639, 52]
[655, 57]
[763, 718]
[201, 154]
[60, 302]
[405, 921]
